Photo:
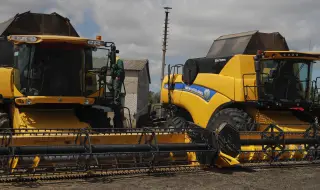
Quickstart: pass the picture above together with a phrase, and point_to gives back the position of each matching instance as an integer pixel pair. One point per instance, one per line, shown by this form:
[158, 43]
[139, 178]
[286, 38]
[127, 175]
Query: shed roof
[137, 65]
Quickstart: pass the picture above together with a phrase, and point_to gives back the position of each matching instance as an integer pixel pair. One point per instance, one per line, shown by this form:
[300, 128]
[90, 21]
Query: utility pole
[164, 46]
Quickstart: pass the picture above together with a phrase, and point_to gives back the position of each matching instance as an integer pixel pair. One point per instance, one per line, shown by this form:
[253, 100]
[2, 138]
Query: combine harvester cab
[255, 94]
[53, 122]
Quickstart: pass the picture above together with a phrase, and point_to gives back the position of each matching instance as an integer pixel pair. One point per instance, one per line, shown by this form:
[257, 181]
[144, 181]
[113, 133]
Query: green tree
[154, 97]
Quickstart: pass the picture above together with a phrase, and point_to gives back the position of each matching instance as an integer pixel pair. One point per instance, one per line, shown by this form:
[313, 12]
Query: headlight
[96, 43]
[24, 38]
[86, 102]
[29, 102]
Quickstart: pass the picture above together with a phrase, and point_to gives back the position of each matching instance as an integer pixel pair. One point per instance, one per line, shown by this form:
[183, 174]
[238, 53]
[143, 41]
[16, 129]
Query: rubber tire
[239, 120]
[233, 116]
[4, 121]
[178, 122]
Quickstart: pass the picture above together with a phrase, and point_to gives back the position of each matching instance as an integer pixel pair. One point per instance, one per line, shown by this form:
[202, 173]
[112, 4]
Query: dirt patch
[279, 178]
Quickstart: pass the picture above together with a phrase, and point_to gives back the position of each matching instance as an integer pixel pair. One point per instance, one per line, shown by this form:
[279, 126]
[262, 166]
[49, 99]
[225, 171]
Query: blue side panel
[203, 92]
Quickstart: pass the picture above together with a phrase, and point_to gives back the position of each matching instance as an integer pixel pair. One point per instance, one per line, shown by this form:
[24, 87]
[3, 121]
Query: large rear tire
[227, 123]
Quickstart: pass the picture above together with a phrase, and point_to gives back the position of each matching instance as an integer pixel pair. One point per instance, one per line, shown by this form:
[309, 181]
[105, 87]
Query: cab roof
[291, 55]
[34, 39]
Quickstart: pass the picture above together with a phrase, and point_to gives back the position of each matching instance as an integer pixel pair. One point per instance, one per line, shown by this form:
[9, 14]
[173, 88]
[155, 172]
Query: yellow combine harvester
[254, 93]
[52, 118]
[53, 121]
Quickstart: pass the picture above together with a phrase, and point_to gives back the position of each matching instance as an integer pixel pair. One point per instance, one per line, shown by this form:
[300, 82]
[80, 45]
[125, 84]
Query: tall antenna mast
[164, 46]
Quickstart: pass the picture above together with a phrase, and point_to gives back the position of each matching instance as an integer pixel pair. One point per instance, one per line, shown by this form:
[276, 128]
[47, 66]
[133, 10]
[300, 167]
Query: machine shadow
[230, 170]
[30, 185]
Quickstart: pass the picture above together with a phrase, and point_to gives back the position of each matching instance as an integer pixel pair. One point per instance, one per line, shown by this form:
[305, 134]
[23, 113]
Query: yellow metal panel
[245, 82]
[175, 95]
[46, 119]
[219, 83]
[26, 140]
[283, 119]
[6, 86]
[55, 39]
[246, 63]
[53, 100]
[199, 109]
[16, 83]
[232, 68]
[291, 153]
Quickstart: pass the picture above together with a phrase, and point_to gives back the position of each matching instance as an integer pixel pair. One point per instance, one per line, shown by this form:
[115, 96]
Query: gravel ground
[277, 178]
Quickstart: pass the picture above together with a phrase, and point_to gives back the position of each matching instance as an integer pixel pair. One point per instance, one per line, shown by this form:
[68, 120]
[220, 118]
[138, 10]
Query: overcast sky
[136, 26]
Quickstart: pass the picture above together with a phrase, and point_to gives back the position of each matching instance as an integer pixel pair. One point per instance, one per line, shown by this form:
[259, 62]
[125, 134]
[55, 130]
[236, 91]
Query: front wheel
[227, 124]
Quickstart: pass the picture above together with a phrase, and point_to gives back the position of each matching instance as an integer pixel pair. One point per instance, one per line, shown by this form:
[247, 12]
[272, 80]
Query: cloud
[137, 25]
[76, 12]
[9, 8]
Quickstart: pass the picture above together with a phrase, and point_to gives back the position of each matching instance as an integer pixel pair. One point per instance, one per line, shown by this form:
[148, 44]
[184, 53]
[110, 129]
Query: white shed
[136, 83]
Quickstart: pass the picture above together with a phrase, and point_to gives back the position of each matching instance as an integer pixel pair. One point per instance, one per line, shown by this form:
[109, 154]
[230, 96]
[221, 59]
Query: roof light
[98, 38]
[24, 38]
[86, 102]
[95, 42]
[29, 102]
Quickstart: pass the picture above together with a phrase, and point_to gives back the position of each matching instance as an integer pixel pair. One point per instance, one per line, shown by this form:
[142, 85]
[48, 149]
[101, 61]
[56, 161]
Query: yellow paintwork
[31, 100]
[28, 118]
[116, 138]
[6, 85]
[229, 87]
[56, 39]
[286, 122]
[225, 160]
[238, 73]
[290, 153]
[284, 119]
[13, 162]
[36, 162]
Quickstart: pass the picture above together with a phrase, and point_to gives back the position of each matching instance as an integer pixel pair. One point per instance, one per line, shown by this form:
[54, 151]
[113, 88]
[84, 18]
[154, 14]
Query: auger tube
[78, 149]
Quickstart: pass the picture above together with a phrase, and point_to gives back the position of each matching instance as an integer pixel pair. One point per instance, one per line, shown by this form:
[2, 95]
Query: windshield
[99, 58]
[286, 78]
[49, 69]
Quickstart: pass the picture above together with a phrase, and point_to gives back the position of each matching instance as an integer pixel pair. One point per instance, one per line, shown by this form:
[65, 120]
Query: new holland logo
[206, 94]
